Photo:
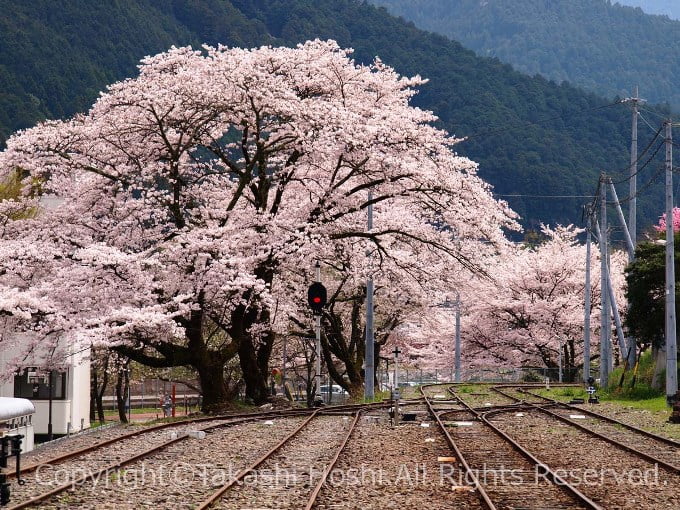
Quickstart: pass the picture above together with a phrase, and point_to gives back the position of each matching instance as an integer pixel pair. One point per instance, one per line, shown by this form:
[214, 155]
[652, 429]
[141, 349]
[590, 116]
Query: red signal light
[317, 296]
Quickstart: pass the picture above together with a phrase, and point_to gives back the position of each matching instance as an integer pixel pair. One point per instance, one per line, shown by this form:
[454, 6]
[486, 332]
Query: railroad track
[511, 477]
[179, 424]
[45, 480]
[99, 466]
[145, 431]
[650, 447]
[312, 448]
[612, 477]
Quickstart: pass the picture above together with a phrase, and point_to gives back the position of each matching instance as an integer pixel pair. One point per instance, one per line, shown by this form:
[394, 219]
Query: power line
[656, 114]
[645, 121]
[543, 196]
[641, 156]
[644, 187]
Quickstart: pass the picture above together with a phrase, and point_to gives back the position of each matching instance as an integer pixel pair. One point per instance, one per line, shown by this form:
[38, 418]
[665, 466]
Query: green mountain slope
[53, 64]
[603, 47]
[56, 55]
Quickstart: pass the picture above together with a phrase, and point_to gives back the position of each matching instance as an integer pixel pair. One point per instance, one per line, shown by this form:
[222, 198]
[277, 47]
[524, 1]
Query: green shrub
[532, 376]
[642, 389]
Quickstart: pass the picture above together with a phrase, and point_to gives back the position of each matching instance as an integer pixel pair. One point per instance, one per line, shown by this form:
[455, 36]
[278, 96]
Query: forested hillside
[606, 48]
[530, 136]
[56, 55]
[670, 8]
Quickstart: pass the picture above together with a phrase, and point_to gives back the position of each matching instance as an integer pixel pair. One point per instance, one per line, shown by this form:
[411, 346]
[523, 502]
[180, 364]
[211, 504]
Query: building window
[36, 387]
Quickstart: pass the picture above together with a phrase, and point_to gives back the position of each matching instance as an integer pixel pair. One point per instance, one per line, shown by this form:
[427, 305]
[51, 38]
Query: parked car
[336, 389]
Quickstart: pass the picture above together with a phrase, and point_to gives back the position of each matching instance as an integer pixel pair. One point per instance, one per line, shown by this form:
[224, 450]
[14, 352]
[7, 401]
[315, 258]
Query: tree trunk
[310, 388]
[208, 362]
[93, 394]
[121, 388]
[253, 354]
[255, 379]
[214, 389]
[100, 398]
[356, 390]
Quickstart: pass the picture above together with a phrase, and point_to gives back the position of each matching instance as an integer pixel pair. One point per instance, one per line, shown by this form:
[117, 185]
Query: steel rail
[333, 462]
[121, 463]
[87, 449]
[469, 473]
[494, 409]
[650, 458]
[342, 408]
[207, 503]
[554, 477]
[651, 435]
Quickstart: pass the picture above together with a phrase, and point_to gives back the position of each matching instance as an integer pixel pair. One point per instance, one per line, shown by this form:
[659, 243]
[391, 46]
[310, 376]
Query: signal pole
[671, 341]
[369, 362]
[457, 336]
[317, 318]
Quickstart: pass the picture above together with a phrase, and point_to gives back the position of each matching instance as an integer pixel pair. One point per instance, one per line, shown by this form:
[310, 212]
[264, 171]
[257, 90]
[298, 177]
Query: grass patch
[378, 396]
[562, 394]
[642, 390]
[472, 388]
[655, 405]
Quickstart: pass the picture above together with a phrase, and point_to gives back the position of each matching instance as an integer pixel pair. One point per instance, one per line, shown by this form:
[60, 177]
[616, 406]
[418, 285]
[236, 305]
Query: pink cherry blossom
[187, 206]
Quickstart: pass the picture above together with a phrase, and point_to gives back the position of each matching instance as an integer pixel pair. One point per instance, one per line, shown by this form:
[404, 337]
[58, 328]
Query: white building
[70, 391]
[70, 387]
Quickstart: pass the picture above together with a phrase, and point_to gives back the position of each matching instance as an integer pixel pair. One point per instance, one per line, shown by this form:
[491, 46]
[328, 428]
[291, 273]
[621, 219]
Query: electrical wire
[642, 188]
[637, 193]
[656, 114]
[645, 121]
[542, 196]
[640, 158]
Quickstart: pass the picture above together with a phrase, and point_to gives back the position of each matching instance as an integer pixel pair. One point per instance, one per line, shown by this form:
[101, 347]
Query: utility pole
[457, 337]
[631, 353]
[317, 318]
[586, 318]
[559, 360]
[50, 436]
[284, 357]
[395, 392]
[605, 320]
[632, 212]
[632, 207]
[630, 245]
[671, 345]
[369, 353]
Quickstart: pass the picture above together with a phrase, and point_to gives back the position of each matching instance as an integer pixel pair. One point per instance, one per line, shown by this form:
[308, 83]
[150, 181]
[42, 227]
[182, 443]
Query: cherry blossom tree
[183, 198]
[661, 226]
[533, 304]
[410, 279]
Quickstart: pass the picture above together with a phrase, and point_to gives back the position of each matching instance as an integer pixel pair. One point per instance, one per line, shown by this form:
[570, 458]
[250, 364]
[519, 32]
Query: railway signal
[317, 297]
[10, 446]
[592, 398]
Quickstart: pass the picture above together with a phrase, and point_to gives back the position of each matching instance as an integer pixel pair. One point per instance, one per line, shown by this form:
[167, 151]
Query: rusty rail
[650, 458]
[554, 477]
